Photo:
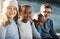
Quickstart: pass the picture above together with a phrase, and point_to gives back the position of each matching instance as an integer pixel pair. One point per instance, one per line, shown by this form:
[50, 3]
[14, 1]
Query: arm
[52, 32]
[35, 33]
[2, 32]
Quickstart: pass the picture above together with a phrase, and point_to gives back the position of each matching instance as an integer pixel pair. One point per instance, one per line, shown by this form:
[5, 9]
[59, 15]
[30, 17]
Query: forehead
[28, 9]
[11, 6]
[46, 9]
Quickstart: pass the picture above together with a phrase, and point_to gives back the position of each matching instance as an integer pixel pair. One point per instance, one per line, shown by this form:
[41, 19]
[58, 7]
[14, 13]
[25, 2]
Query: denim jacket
[47, 30]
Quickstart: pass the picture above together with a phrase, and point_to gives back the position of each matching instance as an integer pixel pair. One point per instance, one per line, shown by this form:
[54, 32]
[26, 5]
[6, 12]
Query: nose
[27, 15]
[12, 11]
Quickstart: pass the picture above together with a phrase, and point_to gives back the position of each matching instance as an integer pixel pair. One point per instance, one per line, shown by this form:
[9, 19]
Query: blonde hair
[5, 21]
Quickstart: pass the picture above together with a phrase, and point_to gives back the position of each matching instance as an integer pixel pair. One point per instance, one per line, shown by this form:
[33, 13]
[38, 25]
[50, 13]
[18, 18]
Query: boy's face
[11, 11]
[27, 14]
[46, 12]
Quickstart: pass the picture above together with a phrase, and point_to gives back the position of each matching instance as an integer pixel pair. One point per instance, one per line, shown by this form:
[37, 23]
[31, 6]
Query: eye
[45, 11]
[29, 12]
[15, 8]
[49, 12]
[8, 8]
[25, 12]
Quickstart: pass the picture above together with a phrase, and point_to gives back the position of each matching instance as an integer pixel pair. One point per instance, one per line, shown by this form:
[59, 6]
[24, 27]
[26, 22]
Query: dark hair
[19, 11]
[40, 16]
[19, 7]
[25, 7]
[16, 17]
[47, 5]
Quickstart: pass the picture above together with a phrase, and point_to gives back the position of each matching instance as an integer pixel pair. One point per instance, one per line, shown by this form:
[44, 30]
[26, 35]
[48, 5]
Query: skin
[39, 22]
[26, 15]
[11, 11]
[46, 12]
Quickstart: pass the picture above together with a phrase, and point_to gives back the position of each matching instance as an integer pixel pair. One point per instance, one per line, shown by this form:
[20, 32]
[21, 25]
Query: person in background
[47, 30]
[38, 22]
[9, 30]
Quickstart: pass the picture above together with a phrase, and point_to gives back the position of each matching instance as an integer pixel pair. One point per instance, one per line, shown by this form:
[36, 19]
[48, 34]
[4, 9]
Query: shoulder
[51, 21]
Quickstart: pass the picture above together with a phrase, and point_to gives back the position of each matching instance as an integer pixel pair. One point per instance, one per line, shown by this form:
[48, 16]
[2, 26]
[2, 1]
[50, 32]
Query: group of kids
[16, 22]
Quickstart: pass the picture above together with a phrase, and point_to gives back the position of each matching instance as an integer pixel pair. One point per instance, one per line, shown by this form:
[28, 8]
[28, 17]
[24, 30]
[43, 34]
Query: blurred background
[35, 4]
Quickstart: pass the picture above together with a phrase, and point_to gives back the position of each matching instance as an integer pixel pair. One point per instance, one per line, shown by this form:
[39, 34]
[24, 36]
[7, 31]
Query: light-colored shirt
[2, 31]
[25, 30]
[12, 31]
[9, 32]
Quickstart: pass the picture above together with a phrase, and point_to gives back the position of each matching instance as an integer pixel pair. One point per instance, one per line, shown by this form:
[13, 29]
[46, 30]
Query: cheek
[49, 14]
[15, 12]
[7, 13]
[46, 15]
[24, 16]
[29, 15]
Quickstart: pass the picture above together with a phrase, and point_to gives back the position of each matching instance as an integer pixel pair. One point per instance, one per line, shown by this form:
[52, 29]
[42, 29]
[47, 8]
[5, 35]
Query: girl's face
[11, 11]
[41, 21]
[26, 15]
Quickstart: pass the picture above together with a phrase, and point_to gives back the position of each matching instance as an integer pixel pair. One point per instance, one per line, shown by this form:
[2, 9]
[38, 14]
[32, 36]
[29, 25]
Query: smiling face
[26, 13]
[11, 11]
[40, 20]
[46, 11]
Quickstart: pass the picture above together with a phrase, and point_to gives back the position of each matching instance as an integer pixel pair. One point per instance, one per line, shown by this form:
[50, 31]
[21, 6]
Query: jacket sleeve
[2, 32]
[52, 32]
[35, 33]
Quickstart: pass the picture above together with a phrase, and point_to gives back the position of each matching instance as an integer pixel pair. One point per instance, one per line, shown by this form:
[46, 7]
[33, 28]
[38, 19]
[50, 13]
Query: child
[38, 20]
[47, 28]
[24, 23]
[10, 31]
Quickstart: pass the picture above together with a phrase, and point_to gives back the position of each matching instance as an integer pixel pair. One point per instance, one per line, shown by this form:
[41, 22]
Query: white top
[25, 30]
